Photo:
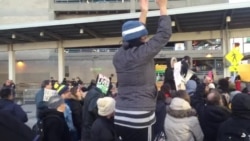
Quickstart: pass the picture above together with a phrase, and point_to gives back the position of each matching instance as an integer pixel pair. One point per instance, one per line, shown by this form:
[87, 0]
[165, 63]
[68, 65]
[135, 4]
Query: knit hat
[54, 102]
[106, 106]
[191, 86]
[133, 30]
[211, 86]
[179, 104]
[62, 89]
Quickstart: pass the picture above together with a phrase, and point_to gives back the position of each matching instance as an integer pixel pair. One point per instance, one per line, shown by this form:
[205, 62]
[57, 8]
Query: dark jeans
[133, 134]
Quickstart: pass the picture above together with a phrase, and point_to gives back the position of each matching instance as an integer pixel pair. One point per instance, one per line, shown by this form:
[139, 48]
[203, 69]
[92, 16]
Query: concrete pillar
[188, 2]
[226, 48]
[61, 62]
[133, 6]
[51, 12]
[12, 63]
[188, 45]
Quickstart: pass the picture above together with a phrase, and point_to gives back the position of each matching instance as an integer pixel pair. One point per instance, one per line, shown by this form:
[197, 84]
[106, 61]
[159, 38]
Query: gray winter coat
[135, 70]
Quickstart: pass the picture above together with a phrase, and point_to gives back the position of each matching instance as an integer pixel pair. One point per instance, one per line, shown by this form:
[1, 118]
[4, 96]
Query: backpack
[38, 128]
[240, 133]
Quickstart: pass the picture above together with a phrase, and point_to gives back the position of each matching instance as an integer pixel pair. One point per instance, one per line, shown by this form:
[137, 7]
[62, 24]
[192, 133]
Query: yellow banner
[244, 72]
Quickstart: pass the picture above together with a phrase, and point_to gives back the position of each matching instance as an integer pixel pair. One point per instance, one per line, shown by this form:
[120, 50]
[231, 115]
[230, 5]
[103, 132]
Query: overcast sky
[236, 1]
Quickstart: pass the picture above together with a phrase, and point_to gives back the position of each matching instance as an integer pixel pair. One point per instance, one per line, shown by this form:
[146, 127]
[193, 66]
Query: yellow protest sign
[244, 72]
[160, 68]
[234, 57]
[233, 68]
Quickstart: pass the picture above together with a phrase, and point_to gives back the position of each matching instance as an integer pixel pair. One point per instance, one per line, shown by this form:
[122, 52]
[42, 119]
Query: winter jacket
[40, 104]
[135, 70]
[14, 109]
[55, 128]
[210, 116]
[240, 119]
[76, 109]
[183, 129]
[160, 114]
[68, 118]
[103, 130]
[89, 111]
[181, 124]
[12, 129]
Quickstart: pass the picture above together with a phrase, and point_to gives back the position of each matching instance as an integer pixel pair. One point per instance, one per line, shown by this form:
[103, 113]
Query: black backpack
[38, 128]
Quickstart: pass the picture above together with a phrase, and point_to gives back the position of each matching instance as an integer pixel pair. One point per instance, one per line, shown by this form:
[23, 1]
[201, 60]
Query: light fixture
[209, 55]
[13, 36]
[20, 63]
[41, 34]
[81, 31]
[228, 19]
[173, 23]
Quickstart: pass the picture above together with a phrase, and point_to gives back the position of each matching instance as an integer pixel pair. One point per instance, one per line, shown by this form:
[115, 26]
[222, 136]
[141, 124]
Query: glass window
[4, 66]
[212, 44]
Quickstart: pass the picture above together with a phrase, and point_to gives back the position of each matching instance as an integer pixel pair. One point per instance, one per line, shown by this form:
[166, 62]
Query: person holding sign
[134, 64]
[42, 98]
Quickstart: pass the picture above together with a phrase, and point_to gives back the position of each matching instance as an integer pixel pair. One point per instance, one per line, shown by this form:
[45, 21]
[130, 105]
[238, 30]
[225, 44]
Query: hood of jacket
[50, 112]
[6, 104]
[241, 106]
[216, 113]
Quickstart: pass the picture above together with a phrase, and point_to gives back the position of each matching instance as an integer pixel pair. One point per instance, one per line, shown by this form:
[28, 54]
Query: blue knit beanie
[133, 30]
[62, 89]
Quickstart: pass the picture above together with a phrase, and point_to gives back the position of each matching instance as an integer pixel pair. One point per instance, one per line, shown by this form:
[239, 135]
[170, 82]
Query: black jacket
[14, 109]
[76, 109]
[103, 130]
[89, 112]
[240, 119]
[12, 129]
[210, 116]
[160, 114]
[55, 128]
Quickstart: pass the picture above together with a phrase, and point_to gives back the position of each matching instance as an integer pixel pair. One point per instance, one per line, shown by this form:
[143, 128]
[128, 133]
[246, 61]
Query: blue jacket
[68, 118]
[14, 109]
[40, 104]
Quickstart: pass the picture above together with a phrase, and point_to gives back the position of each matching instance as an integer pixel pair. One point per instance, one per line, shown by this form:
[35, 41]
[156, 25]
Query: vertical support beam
[133, 6]
[225, 47]
[52, 15]
[12, 63]
[188, 2]
[61, 61]
[189, 45]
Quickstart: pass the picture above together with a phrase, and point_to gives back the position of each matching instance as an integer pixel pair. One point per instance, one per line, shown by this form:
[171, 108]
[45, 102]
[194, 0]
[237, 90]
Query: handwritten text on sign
[48, 93]
[103, 83]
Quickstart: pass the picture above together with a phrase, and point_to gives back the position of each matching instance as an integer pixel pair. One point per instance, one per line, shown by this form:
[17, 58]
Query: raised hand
[144, 5]
[162, 4]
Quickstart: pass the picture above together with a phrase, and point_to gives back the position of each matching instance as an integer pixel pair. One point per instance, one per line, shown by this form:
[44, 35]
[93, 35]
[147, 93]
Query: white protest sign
[179, 81]
[48, 93]
[103, 83]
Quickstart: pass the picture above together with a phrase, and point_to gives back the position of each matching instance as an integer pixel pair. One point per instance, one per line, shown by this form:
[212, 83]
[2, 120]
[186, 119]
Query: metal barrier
[29, 96]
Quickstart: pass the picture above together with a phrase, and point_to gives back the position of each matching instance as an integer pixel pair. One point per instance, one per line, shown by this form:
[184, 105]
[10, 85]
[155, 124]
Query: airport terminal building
[71, 38]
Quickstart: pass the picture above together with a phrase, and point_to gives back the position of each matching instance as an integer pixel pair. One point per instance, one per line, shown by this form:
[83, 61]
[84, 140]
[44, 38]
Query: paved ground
[31, 112]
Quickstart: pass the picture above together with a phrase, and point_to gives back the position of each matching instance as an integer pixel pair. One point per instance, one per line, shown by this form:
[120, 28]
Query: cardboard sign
[48, 93]
[103, 83]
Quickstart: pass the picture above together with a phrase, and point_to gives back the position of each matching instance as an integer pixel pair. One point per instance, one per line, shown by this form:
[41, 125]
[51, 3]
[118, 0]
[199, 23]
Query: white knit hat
[179, 104]
[211, 86]
[106, 106]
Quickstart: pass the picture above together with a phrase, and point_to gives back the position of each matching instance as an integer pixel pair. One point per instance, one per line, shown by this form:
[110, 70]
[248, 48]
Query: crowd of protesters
[197, 109]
